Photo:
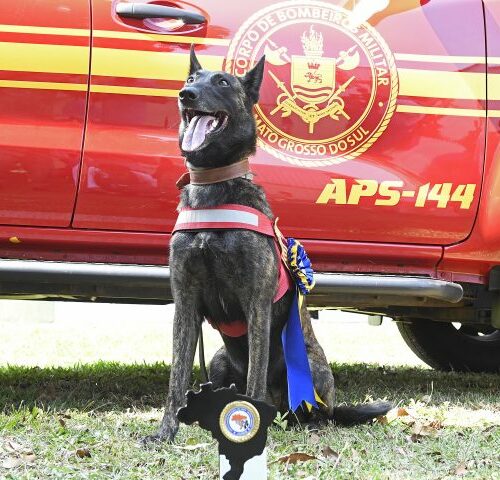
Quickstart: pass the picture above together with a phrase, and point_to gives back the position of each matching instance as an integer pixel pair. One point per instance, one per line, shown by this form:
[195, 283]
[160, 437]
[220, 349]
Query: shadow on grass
[114, 386]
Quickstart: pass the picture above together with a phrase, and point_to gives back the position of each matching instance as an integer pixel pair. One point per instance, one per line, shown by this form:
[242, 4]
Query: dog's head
[217, 126]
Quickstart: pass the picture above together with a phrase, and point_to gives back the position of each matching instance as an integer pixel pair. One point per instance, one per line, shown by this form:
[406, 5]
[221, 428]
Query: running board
[143, 283]
[377, 290]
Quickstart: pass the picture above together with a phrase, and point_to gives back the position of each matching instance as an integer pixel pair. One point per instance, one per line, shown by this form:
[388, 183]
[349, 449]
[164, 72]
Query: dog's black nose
[188, 93]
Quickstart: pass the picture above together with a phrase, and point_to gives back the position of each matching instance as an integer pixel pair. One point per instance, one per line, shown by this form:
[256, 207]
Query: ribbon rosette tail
[300, 382]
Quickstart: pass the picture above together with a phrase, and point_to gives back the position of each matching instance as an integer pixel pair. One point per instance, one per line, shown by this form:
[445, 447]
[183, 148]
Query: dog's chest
[222, 269]
[213, 265]
[225, 255]
[212, 244]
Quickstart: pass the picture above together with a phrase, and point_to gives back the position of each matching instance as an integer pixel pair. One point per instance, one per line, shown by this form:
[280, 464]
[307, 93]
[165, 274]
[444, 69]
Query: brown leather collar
[206, 176]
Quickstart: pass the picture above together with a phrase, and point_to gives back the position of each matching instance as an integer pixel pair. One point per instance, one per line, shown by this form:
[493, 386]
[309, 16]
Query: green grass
[48, 414]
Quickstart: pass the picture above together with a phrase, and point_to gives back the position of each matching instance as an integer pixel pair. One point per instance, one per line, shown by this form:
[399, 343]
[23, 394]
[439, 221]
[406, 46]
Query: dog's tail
[348, 415]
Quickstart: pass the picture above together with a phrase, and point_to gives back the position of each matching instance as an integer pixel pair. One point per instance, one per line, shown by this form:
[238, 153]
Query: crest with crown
[313, 80]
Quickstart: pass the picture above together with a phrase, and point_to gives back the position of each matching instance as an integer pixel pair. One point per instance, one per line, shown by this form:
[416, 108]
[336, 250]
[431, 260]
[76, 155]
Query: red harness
[231, 217]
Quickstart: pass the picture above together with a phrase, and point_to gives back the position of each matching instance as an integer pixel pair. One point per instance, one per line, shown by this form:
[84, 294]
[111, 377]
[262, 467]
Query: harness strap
[224, 217]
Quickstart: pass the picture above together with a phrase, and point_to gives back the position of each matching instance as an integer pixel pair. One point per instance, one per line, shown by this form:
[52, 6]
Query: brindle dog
[229, 275]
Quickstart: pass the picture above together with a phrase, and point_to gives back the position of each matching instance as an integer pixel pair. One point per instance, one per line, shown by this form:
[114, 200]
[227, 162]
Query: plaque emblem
[239, 421]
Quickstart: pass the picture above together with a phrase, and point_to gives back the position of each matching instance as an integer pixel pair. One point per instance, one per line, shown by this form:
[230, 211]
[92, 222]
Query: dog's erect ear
[194, 65]
[253, 78]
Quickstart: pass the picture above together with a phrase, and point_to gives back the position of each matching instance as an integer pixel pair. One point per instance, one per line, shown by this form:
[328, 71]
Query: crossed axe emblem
[286, 102]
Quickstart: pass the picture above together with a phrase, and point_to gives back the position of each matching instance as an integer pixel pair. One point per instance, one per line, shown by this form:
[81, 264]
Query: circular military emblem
[330, 85]
[239, 421]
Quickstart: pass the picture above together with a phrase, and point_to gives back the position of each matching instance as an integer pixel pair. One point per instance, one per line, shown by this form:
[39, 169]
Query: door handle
[149, 10]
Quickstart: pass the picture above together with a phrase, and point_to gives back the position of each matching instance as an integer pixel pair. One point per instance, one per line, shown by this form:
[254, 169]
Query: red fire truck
[378, 147]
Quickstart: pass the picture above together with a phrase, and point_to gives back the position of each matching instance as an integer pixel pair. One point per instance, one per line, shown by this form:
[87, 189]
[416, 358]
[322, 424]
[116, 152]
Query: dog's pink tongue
[196, 131]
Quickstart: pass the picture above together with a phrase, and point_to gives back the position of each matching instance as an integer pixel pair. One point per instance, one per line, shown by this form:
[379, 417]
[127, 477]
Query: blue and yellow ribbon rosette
[299, 377]
[300, 266]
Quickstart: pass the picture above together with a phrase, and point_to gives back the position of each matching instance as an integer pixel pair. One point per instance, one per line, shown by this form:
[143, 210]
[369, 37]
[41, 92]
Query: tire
[446, 347]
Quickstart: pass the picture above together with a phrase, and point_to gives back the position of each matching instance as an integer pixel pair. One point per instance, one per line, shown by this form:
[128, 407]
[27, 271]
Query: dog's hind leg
[187, 324]
[325, 387]
[218, 371]
[324, 383]
[320, 369]
[222, 372]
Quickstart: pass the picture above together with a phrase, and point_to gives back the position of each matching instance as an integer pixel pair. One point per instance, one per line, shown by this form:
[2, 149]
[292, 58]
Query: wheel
[447, 346]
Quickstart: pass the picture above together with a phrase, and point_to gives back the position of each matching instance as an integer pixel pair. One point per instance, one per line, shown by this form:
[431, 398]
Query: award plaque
[238, 423]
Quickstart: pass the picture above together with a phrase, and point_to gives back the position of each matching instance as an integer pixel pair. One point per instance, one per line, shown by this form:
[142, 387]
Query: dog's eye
[223, 82]
[190, 80]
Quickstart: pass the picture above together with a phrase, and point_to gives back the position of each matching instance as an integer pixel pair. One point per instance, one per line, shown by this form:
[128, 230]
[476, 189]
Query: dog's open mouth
[199, 126]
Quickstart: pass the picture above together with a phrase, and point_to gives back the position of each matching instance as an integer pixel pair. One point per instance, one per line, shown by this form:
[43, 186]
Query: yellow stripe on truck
[493, 87]
[412, 57]
[81, 32]
[165, 92]
[436, 84]
[173, 66]
[82, 87]
[157, 37]
[459, 112]
[73, 32]
[33, 57]
[111, 62]
[150, 92]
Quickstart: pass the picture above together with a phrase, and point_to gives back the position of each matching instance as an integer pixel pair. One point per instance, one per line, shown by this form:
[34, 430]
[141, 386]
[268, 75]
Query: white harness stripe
[217, 216]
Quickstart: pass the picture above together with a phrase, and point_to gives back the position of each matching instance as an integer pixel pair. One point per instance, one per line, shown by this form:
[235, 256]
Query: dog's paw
[157, 439]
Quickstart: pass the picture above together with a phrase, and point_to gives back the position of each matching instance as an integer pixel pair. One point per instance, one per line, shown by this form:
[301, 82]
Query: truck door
[371, 122]
[44, 67]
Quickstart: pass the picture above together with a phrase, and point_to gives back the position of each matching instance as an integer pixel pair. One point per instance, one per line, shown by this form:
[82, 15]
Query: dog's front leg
[259, 329]
[187, 324]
